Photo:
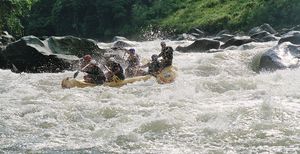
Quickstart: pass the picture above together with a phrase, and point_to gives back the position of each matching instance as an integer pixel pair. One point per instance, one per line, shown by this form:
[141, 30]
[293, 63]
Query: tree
[40, 22]
[12, 14]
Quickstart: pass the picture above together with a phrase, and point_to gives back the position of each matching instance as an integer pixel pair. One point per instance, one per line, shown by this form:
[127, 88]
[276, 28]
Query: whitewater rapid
[217, 104]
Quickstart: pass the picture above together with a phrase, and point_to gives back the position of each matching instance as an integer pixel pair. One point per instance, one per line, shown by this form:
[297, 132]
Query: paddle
[136, 70]
[124, 53]
[115, 78]
[106, 68]
[77, 72]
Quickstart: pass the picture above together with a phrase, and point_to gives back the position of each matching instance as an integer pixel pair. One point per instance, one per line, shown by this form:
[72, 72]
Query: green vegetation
[215, 15]
[106, 18]
[12, 14]
[84, 18]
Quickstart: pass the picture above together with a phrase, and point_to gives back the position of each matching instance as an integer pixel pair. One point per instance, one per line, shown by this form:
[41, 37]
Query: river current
[217, 104]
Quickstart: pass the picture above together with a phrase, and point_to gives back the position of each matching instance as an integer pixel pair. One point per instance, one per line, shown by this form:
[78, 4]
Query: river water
[217, 104]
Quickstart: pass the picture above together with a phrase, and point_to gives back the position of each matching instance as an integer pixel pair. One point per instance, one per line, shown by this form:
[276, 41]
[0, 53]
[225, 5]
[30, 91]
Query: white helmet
[93, 62]
[112, 59]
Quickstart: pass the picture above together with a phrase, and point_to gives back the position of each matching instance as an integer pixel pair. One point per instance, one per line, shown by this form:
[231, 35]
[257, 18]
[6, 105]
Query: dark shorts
[166, 64]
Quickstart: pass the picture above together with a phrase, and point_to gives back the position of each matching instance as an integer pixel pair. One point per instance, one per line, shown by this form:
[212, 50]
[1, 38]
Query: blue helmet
[163, 43]
[154, 57]
[131, 51]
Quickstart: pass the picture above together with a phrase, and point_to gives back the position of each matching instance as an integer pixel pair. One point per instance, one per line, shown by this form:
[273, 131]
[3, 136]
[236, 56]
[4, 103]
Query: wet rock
[55, 54]
[245, 47]
[284, 31]
[263, 36]
[119, 38]
[254, 30]
[70, 45]
[264, 27]
[223, 37]
[6, 38]
[236, 41]
[268, 28]
[284, 55]
[201, 45]
[197, 31]
[122, 44]
[292, 36]
[223, 32]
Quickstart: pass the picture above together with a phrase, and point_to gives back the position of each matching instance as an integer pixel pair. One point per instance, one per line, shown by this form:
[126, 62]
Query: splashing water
[218, 104]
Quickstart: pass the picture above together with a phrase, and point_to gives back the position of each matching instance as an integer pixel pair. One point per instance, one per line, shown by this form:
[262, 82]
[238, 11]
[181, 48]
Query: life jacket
[154, 67]
[118, 70]
[96, 74]
[167, 55]
[133, 61]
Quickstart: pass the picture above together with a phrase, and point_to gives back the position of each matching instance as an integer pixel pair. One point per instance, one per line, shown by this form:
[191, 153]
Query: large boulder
[284, 55]
[292, 36]
[201, 45]
[236, 41]
[264, 27]
[223, 37]
[55, 54]
[70, 45]
[254, 30]
[263, 36]
[30, 54]
[268, 28]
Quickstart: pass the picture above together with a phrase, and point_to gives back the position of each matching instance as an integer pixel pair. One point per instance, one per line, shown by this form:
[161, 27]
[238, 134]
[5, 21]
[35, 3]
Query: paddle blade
[75, 74]
[116, 78]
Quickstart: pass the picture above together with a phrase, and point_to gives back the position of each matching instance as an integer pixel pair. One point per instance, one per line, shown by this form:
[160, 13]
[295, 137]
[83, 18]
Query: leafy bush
[12, 14]
[106, 18]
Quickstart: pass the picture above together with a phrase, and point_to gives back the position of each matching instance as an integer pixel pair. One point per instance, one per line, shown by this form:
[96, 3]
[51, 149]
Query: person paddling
[94, 74]
[86, 59]
[133, 61]
[114, 70]
[154, 67]
[166, 54]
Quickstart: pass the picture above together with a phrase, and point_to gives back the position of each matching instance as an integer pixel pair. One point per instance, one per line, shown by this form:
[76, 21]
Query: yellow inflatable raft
[70, 82]
[167, 75]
